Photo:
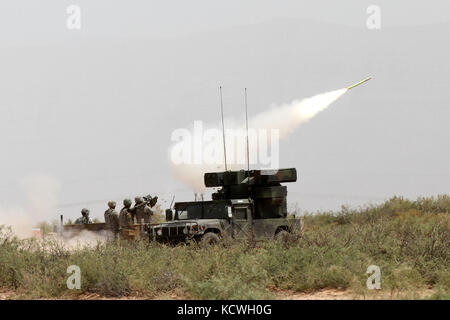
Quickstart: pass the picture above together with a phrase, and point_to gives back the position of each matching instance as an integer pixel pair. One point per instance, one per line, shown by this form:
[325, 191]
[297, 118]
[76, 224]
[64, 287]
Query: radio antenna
[246, 125]
[223, 129]
[171, 204]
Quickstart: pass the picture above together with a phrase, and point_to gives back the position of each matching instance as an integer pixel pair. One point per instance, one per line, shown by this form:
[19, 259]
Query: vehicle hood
[183, 223]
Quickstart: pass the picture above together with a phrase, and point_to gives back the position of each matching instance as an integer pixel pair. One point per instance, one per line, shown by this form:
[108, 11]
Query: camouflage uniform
[148, 213]
[138, 210]
[107, 215]
[85, 217]
[125, 217]
[114, 222]
[112, 218]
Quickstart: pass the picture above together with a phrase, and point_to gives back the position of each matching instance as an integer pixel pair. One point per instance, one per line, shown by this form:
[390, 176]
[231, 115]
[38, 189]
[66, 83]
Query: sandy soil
[334, 294]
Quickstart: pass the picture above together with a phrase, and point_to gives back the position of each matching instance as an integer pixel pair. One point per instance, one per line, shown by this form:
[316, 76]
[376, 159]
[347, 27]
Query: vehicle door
[241, 222]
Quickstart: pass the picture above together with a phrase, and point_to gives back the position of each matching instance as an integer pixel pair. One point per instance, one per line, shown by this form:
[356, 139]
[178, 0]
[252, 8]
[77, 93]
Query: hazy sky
[31, 22]
[93, 109]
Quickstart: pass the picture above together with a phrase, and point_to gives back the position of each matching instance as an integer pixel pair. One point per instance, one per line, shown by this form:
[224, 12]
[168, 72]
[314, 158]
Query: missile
[357, 84]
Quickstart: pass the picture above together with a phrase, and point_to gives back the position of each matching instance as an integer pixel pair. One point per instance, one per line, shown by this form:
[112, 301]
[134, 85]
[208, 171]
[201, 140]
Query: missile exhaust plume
[288, 117]
[285, 119]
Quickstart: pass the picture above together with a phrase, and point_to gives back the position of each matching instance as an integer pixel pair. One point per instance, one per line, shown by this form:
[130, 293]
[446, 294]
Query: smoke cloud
[40, 195]
[83, 239]
[199, 150]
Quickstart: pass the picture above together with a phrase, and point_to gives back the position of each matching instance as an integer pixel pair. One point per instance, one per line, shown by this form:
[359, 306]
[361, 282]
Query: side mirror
[169, 214]
[230, 212]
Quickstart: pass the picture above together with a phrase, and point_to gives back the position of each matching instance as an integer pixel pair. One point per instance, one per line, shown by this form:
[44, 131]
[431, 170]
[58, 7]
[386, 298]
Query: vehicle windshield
[182, 214]
[189, 213]
[199, 210]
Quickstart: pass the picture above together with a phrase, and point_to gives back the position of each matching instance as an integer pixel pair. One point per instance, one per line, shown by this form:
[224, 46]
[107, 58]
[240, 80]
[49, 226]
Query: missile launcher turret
[262, 186]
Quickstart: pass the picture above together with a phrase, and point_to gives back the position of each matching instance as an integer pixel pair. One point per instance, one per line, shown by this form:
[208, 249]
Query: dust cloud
[40, 194]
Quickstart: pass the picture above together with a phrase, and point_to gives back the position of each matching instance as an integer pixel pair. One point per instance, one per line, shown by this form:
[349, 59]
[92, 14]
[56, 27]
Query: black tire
[209, 239]
[282, 236]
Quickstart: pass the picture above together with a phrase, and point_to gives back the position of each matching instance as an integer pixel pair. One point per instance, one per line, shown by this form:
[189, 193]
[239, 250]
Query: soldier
[148, 213]
[111, 207]
[125, 217]
[149, 203]
[84, 219]
[138, 209]
[112, 219]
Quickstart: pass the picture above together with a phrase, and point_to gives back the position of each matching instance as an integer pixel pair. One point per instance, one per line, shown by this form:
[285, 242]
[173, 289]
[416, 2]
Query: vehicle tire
[282, 236]
[209, 239]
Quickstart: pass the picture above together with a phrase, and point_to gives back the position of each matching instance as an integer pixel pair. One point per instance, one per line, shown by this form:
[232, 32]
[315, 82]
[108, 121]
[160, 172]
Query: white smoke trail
[285, 119]
[289, 117]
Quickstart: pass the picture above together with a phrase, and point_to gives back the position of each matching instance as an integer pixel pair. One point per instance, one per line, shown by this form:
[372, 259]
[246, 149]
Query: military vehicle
[249, 204]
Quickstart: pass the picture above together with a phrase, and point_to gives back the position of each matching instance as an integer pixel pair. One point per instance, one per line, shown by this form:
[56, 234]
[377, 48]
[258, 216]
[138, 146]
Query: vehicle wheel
[282, 236]
[210, 238]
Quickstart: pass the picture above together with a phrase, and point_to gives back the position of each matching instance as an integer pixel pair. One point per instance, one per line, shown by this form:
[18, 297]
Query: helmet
[138, 200]
[112, 204]
[85, 211]
[127, 203]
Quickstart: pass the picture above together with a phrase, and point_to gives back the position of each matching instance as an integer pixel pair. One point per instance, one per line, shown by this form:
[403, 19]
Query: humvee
[249, 204]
